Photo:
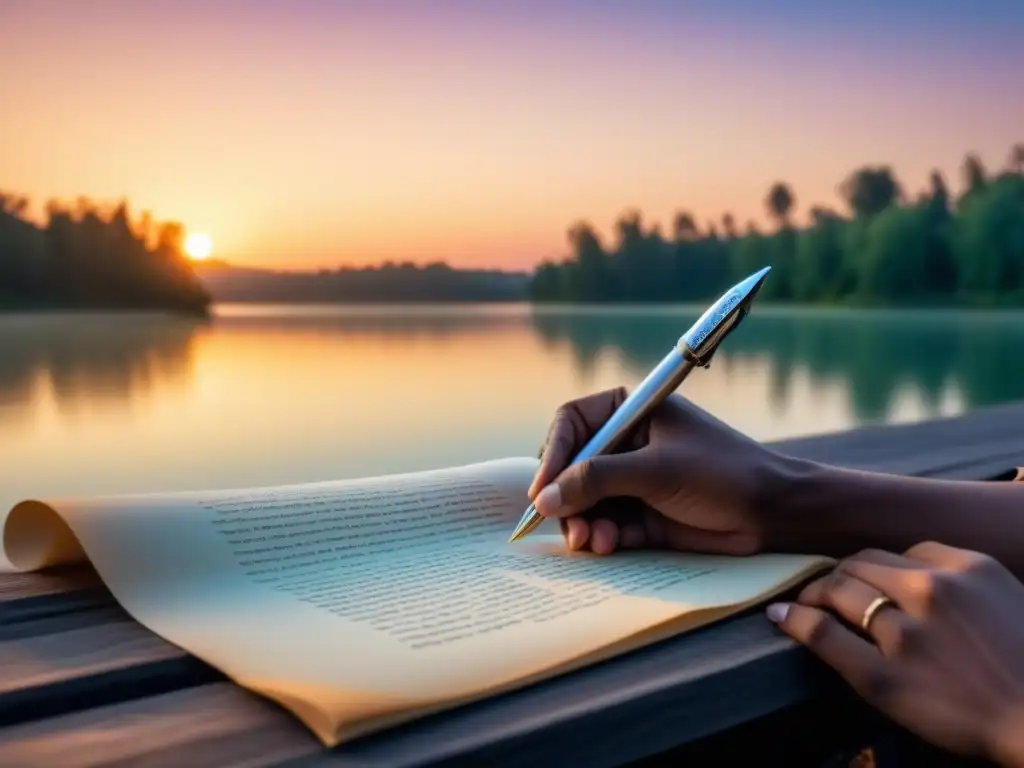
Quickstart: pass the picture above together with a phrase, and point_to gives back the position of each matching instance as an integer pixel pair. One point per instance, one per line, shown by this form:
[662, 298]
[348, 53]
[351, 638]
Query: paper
[361, 603]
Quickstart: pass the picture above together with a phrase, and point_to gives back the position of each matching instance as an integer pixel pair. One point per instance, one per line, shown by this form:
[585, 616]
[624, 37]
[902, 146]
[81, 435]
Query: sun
[198, 246]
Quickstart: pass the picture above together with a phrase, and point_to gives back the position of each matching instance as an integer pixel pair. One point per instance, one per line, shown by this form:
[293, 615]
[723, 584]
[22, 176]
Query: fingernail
[549, 500]
[576, 535]
[777, 612]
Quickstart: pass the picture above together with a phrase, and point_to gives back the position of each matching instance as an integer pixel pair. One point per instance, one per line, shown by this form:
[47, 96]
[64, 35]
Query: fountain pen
[694, 349]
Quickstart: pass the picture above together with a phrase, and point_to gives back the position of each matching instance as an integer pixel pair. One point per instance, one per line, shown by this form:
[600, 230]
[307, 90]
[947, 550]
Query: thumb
[580, 486]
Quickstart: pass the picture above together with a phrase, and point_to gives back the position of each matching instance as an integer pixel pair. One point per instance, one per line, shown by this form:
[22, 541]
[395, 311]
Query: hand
[944, 654]
[690, 481]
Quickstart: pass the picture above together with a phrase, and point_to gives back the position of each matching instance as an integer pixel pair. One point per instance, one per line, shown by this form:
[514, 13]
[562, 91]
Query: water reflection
[82, 361]
[875, 356]
[264, 395]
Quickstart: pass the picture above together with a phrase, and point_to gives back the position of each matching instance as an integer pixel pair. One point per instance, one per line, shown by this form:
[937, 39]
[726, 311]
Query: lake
[265, 395]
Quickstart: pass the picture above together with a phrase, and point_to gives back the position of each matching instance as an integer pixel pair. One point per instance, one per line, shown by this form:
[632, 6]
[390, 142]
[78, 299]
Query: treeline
[89, 256]
[887, 247]
[390, 282]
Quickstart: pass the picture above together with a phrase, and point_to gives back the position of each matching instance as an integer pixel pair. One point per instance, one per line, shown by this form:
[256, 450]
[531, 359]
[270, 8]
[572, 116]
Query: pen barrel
[661, 382]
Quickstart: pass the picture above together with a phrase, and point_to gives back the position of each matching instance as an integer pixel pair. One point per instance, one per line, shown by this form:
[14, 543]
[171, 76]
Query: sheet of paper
[355, 601]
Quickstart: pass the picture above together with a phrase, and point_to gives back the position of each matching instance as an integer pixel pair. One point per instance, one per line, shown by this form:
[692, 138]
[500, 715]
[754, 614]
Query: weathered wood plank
[84, 659]
[27, 596]
[23, 586]
[210, 725]
[995, 433]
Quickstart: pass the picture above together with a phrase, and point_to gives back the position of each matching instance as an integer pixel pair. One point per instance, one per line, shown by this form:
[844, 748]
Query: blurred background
[258, 242]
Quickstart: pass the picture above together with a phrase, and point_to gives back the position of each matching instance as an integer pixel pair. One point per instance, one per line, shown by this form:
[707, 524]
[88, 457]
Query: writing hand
[943, 655]
[689, 481]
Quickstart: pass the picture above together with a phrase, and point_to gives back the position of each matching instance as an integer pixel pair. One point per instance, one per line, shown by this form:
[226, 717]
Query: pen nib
[529, 521]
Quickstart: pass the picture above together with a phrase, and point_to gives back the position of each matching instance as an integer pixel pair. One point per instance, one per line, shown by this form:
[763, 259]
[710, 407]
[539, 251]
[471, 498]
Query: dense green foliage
[887, 248]
[86, 257]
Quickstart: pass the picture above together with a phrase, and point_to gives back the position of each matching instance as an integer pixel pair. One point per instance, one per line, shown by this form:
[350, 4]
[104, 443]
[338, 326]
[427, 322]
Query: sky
[314, 133]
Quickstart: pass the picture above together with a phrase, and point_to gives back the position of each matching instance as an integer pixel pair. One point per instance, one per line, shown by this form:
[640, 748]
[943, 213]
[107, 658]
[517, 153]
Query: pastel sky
[302, 133]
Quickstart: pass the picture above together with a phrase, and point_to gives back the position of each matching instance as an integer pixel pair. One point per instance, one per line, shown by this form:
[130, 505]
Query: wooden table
[82, 684]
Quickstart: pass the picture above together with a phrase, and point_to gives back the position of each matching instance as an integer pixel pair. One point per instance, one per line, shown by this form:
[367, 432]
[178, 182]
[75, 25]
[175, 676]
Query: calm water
[262, 395]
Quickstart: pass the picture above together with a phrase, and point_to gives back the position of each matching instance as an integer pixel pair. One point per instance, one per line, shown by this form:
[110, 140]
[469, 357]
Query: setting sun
[198, 246]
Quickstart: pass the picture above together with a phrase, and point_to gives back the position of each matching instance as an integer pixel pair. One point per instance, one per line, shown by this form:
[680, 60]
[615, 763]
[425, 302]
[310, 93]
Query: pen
[694, 349]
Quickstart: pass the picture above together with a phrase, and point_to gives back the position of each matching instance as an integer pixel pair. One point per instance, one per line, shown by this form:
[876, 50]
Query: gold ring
[876, 605]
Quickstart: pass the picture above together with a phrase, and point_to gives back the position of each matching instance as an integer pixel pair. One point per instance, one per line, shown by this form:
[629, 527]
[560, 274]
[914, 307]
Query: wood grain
[938, 447]
[72, 661]
[210, 725]
[28, 596]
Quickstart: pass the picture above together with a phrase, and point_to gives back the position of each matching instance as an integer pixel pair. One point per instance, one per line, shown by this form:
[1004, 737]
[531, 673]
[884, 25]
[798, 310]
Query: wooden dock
[83, 684]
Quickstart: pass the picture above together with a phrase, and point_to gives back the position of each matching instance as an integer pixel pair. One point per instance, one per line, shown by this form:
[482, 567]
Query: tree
[13, 205]
[870, 190]
[729, 226]
[546, 284]
[973, 172]
[684, 227]
[820, 213]
[818, 263]
[988, 240]
[894, 263]
[940, 275]
[750, 253]
[593, 278]
[170, 239]
[780, 203]
[1016, 161]
[938, 191]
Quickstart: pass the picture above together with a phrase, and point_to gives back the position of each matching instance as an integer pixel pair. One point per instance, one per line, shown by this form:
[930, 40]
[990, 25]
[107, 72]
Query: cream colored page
[399, 590]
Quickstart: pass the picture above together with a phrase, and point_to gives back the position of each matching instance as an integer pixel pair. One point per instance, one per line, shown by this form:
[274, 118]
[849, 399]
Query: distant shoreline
[67, 309]
[540, 308]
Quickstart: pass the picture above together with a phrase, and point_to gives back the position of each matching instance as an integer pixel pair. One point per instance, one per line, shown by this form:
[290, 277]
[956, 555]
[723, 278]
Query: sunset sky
[303, 133]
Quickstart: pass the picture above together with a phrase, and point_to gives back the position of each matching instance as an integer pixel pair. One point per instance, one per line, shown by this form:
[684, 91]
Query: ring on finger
[872, 610]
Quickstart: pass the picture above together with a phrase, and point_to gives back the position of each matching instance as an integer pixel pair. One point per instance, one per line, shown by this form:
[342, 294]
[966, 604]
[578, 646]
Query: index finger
[575, 422]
